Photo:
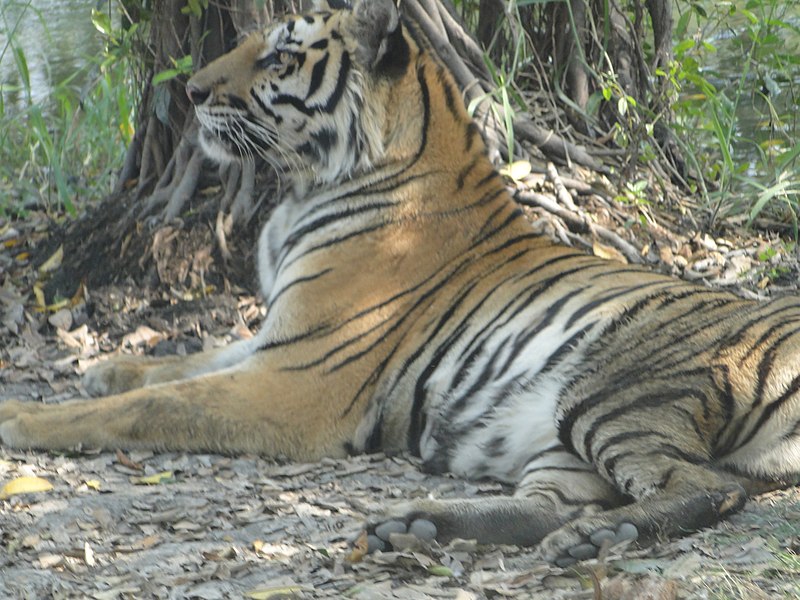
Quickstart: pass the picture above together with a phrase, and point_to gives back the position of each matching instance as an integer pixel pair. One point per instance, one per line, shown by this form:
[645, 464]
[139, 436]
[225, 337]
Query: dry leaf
[38, 293]
[125, 461]
[608, 252]
[359, 550]
[93, 484]
[52, 263]
[155, 479]
[88, 555]
[25, 485]
[517, 170]
[274, 593]
[46, 561]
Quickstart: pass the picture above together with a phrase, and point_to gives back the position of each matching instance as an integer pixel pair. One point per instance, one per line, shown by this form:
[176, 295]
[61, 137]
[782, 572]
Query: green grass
[737, 73]
[62, 154]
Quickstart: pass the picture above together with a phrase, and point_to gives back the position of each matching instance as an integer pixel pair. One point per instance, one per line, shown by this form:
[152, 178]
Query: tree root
[576, 222]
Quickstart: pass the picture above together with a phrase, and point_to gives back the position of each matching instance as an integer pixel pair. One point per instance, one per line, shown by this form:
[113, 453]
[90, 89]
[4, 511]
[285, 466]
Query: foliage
[737, 72]
[60, 152]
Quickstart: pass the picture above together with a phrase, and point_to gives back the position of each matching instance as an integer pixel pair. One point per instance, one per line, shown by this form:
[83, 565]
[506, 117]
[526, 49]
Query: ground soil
[143, 525]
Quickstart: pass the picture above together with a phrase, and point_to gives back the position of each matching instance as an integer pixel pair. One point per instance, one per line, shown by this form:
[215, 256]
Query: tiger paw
[397, 534]
[581, 541]
[114, 376]
[12, 430]
[11, 409]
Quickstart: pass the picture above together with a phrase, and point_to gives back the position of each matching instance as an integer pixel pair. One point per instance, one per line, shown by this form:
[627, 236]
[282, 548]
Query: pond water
[58, 41]
[768, 111]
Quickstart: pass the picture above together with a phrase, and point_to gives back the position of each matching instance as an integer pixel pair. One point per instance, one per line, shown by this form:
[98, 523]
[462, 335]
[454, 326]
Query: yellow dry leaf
[286, 591]
[25, 485]
[93, 484]
[519, 169]
[38, 292]
[608, 252]
[57, 306]
[52, 263]
[360, 548]
[155, 479]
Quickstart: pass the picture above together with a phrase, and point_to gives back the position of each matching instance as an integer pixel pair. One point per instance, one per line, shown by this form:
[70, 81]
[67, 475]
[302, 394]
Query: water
[58, 41]
[767, 111]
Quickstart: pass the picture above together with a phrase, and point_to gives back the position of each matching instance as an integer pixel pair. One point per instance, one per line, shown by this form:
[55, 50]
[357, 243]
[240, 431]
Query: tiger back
[412, 308]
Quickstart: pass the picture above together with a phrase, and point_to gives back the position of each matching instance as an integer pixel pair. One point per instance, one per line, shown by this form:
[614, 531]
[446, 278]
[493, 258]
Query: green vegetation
[730, 97]
[65, 151]
[737, 75]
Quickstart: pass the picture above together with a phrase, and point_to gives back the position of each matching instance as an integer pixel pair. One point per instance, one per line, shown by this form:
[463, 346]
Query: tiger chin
[411, 308]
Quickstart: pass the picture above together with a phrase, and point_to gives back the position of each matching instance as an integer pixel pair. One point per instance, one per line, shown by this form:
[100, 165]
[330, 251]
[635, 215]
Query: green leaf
[440, 571]
[165, 75]
[102, 22]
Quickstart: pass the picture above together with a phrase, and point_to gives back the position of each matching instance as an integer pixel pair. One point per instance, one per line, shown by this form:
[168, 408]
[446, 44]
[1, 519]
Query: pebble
[375, 544]
[385, 529]
[626, 532]
[601, 535]
[423, 529]
[583, 551]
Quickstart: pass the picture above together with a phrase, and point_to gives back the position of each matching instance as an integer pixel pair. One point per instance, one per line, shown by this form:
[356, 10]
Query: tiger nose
[197, 95]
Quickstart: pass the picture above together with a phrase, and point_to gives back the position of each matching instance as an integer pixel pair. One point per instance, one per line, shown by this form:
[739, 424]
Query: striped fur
[411, 308]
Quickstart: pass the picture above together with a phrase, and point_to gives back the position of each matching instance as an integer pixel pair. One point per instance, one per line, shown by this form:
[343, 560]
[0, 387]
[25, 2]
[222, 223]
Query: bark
[575, 45]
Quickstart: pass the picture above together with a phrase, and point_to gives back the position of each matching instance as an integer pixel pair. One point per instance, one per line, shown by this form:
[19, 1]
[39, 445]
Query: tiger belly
[501, 414]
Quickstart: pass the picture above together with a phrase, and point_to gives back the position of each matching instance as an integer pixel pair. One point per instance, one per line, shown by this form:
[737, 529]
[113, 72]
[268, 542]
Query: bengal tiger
[412, 308]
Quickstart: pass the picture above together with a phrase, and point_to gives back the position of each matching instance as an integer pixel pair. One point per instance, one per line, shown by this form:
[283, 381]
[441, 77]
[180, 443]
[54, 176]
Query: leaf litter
[136, 525]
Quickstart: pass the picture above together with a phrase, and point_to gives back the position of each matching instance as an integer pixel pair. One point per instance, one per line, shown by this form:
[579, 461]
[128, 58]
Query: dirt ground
[143, 525]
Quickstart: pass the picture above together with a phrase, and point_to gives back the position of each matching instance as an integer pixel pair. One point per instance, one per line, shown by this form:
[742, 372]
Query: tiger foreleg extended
[123, 373]
[254, 407]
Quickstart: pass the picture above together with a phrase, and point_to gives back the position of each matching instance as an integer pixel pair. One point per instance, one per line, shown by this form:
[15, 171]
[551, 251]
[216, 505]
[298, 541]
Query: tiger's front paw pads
[386, 535]
[590, 546]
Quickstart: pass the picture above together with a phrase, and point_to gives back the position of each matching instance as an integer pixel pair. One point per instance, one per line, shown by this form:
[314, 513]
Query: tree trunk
[576, 50]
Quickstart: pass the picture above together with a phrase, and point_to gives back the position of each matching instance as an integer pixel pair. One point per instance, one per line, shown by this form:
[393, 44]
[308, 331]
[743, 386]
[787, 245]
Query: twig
[562, 195]
[579, 224]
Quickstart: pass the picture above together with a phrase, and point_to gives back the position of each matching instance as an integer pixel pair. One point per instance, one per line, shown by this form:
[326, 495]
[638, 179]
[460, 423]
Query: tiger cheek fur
[412, 308]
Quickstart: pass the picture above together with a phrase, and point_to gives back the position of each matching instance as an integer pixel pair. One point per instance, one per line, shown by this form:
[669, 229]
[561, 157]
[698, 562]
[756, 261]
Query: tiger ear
[375, 25]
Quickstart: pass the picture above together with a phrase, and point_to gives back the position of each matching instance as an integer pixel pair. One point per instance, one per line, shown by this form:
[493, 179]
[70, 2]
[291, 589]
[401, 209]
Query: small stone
[61, 319]
[565, 561]
[423, 529]
[601, 535]
[626, 532]
[583, 551]
[374, 544]
[385, 529]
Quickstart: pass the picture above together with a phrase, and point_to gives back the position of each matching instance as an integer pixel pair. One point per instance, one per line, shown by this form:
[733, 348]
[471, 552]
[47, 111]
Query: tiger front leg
[643, 522]
[557, 488]
[124, 373]
[253, 410]
[491, 520]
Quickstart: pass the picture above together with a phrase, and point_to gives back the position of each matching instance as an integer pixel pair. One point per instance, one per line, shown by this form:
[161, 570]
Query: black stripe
[341, 83]
[264, 108]
[788, 395]
[304, 279]
[317, 74]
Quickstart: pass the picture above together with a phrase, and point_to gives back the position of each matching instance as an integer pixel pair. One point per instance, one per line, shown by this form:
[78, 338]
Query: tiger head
[301, 94]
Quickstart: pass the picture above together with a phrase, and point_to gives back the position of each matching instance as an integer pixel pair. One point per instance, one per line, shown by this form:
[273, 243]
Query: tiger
[412, 308]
